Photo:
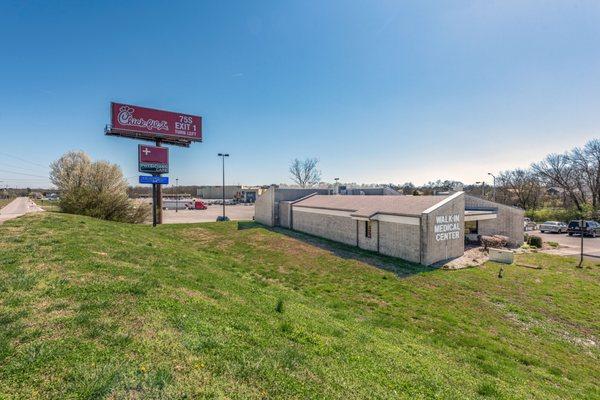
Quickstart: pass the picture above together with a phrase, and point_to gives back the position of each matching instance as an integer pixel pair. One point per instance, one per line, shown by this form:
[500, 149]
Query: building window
[471, 227]
[368, 229]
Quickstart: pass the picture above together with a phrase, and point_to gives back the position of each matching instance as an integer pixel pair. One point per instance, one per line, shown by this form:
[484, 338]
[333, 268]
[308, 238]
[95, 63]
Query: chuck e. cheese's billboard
[148, 123]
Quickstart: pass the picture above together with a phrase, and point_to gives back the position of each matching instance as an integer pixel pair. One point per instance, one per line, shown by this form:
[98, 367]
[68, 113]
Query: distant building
[238, 193]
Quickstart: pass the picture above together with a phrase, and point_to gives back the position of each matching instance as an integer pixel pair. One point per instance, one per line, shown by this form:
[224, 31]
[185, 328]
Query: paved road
[18, 207]
[570, 245]
[237, 212]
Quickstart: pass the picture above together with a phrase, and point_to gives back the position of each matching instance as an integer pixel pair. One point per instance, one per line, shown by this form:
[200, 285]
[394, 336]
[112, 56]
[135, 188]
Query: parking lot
[570, 245]
[238, 212]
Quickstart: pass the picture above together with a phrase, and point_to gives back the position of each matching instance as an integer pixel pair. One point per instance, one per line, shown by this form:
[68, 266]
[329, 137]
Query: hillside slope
[93, 309]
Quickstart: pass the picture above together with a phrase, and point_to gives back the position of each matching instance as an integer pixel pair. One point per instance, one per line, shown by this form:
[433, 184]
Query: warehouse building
[238, 193]
[421, 229]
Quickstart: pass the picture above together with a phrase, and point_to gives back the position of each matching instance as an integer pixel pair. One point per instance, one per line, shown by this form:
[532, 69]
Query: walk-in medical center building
[421, 229]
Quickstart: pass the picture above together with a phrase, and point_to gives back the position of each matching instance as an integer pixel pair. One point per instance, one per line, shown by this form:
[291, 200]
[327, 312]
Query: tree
[305, 172]
[559, 170]
[522, 187]
[96, 189]
[586, 161]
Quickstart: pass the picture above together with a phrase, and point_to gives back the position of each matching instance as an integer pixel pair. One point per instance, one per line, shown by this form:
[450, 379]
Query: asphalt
[571, 245]
[17, 207]
[238, 212]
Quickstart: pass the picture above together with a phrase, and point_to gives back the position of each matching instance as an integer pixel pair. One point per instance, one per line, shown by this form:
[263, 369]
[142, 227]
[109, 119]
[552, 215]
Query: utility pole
[223, 155]
[494, 190]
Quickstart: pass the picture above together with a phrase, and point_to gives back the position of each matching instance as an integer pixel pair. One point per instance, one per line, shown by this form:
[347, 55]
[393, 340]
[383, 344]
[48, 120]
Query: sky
[378, 91]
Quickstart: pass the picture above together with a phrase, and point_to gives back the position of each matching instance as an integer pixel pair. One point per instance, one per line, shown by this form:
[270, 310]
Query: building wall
[334, 227]
[264, 208]
[443, 231]
[508, 223]
[363, 241]
[399, 240]
[216, 192]
[285, 209]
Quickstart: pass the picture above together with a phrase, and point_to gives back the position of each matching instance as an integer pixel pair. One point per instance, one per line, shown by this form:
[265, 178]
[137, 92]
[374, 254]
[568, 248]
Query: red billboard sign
[151, 124]
[153, 159]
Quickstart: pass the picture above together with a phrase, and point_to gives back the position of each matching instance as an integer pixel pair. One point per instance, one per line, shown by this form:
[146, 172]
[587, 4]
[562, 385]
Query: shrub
[552, 214]
[96, 189]
[495, 241]
[535, 241]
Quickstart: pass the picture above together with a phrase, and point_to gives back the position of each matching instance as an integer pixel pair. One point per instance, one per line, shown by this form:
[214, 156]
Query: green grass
[92, 309]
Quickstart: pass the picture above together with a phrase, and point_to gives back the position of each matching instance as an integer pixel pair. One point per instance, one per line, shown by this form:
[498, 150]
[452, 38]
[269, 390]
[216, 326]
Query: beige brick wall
[338, 228]
[399, 240]
[264, 208]
[363, 241]
[508, 223]
[284, 214]
[442, 244]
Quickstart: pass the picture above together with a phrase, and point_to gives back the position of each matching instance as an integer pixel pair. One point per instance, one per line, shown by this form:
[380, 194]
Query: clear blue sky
[379, 91]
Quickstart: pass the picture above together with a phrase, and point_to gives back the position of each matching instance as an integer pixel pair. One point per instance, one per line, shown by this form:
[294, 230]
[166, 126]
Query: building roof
[367, 206]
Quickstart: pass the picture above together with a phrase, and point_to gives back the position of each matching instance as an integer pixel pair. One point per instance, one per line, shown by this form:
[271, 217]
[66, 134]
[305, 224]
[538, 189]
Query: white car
[528, 224]
[553, 226]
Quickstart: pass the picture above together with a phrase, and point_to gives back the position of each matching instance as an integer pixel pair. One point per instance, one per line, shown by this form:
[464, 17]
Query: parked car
[528, 224]
[591, 228]
[553, 226]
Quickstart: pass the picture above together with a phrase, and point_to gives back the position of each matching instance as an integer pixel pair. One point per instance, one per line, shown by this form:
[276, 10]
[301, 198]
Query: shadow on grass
[398, 266]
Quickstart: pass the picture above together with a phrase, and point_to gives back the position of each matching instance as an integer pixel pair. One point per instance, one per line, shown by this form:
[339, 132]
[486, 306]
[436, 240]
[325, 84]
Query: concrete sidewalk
[17, 207]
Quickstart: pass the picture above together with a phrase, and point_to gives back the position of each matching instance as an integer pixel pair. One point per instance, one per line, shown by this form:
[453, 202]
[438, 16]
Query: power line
[18, 167]
[22, 159]
[21, 173]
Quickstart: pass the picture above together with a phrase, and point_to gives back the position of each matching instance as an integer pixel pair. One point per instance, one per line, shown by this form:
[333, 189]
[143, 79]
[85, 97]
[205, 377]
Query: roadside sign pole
[582, 227]
[159, 200]
[154, 185]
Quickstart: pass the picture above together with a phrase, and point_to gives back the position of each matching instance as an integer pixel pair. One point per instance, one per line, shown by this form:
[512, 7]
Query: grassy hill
[93, 309]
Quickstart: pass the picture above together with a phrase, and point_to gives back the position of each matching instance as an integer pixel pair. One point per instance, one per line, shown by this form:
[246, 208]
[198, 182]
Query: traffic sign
[160, 180]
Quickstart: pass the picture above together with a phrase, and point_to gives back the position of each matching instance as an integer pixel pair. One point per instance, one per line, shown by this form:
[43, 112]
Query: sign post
[582, 227]
[161, 127]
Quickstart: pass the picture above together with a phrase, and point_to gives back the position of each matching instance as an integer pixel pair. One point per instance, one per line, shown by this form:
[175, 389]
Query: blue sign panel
[161, 180]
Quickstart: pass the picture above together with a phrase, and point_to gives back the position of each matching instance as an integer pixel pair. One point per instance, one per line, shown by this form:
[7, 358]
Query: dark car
[592, 228]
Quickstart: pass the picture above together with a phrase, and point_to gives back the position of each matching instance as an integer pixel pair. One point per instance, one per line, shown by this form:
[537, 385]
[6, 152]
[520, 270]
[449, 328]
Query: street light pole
[223, 155]
[494, 192]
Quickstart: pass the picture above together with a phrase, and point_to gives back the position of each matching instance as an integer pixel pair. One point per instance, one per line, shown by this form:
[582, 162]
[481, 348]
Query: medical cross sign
[154, 160]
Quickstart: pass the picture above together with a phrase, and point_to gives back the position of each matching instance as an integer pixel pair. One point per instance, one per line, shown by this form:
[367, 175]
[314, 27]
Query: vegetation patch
[98, 309]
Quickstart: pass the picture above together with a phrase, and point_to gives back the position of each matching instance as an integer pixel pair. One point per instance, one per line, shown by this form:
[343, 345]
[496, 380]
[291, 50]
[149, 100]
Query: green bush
[552, 214]
[535, 241]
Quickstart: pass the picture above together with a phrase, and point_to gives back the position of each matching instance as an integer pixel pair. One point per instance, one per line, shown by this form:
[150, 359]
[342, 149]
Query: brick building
[421, 229]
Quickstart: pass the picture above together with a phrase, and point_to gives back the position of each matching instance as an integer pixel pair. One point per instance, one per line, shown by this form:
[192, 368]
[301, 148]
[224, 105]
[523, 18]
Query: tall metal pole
[581, 227]
[154, 204]
[177, 194]
[223, 158]
[223, 155]
[159, 201]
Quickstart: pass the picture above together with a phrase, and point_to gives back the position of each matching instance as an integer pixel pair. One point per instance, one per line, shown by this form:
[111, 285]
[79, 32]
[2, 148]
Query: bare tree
[522, 187]
[305, 172]
[586, 161]
[97, 189]
[559, 170]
